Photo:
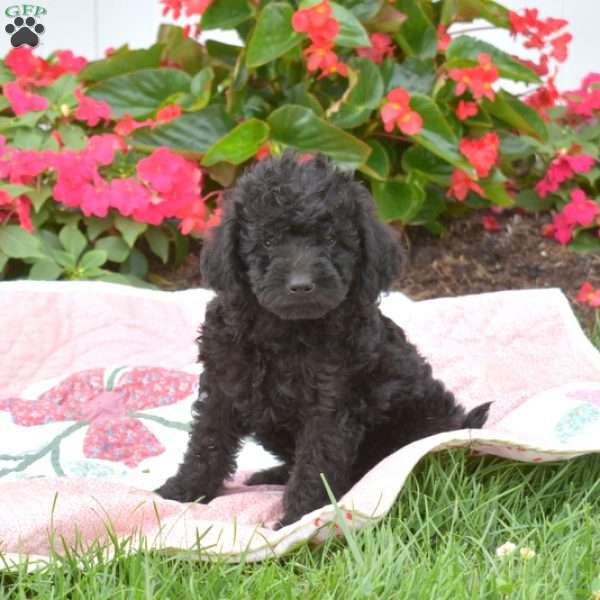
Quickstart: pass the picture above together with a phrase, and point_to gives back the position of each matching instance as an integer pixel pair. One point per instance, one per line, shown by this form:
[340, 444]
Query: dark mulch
[467, 259]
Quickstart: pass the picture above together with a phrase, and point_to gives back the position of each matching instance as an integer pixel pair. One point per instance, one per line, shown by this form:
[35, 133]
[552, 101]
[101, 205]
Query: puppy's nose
[300, 284]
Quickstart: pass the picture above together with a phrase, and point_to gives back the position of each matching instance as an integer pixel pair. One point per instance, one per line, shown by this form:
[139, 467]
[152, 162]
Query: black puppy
[295, 349]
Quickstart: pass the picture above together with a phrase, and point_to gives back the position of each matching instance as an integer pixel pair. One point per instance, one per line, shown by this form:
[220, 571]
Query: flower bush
[104, 162]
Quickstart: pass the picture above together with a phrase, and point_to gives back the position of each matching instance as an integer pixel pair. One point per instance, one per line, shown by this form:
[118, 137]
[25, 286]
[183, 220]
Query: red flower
[397, 112]
[482, 153]
[168, 113]
[316, 21]
[443, 38]
[580, 210]
[196, 7]
[559, 46]
[381, 46]
[478, 80]
[562, 168]
[114, 431]
[91, 111]
[320, 57]
[562, 228]
[588, 295]
[19, 206]
[21, 101]
[263, 152]
[490, 223]
[464, 110]
[23, 63]
[127, 124]
[460, 185]
[69, 63]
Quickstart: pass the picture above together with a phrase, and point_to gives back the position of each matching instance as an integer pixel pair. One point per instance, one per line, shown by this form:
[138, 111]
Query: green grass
[439, 543]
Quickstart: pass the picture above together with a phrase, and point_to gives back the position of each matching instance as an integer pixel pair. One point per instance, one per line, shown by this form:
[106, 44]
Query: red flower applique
[113, 430]
[397, 112]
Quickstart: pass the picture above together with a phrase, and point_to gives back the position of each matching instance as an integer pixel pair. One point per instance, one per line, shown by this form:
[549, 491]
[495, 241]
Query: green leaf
[45, 270]
[364, 10]
[64, 259]
[585, 241]
[417, 35]
[122, 61]
[193, 133]
[437, 135]
[73, 136]
[96, 226]
[418, 159]
[159, 243]
[364, 94]
[225, 54]
[530, 201]
[413, 74]
[34, 139]
[200, 88]
[273, 34]
[15, 189]
[61, 91]
[181, 50]
[517, 114]
[298, 94]
[495, 189]
[115, 247]
[378, 165]
[129, 229]
[351, 34]
[3, 263]
[73, 240]
[397, 200]
[433, 206]
[136, 264]
[39, 197]
[15, 242]
[513, 146]
[465, 51]
[93, 259]
[300, 128]
[469, 10]
[141, 92]
[226, 15]
[240, 144]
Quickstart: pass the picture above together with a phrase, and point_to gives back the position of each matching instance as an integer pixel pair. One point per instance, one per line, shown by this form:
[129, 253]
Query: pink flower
[443, 38]
[490, 223]
[114, 431]
[381, 46]
[127, 124]
[478, 80]
[22, 101]
[129, 196]
[562, 228]
[561, 169]
[69, 63]
[193, 217]
[588, 295]
[91, 111]
[19, 206]
[580, 210]
[23, 62]
[397, 112]
[559, 46]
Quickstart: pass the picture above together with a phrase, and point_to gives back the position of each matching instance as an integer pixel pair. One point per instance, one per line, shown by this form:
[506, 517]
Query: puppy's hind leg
[277, 475]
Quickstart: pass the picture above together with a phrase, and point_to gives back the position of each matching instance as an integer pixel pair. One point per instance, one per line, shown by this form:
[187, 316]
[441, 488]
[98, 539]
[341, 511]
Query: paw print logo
[24, 32]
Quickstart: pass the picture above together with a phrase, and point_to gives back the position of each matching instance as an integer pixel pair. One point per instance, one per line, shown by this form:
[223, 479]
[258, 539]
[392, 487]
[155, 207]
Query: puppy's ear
[382, 258]
[220, 264]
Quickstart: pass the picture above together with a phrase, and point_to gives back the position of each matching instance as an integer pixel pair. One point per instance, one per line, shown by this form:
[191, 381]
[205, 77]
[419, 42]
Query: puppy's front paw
[173, 489]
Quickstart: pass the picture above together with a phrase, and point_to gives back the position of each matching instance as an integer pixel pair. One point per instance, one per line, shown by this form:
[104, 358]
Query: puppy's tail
[477, 417]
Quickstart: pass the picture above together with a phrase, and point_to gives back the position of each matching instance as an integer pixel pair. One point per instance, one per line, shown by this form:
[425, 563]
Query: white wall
[90, 26]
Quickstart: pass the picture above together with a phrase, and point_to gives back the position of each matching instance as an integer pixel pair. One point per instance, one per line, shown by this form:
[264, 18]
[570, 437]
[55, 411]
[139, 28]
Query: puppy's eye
[268, 243]
[330, 240]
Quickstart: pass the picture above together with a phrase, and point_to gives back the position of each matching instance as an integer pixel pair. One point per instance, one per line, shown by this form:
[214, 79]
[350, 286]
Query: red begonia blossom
[127, 124]
[397, 112]
[543, 98]
[482, 153]
[317, 22]
[490, 223]
[581, 210]
[91, 111]
[478, 80]
[191, 7]
[168, 113]
[21, 101]
[460, 184]
[559, 47]
[588, 295]
[465, 109]
[381, 46]
[561, 169]
[443, 38]
[586, 100]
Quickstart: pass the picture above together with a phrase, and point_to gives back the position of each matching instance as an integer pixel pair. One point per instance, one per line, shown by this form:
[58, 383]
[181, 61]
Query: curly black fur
[295, 349]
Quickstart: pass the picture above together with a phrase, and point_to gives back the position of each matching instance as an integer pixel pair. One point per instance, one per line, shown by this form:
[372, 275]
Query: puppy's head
[302, 237]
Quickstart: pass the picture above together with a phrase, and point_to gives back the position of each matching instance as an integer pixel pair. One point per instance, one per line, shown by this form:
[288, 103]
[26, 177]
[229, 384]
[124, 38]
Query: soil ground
[467, 259]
